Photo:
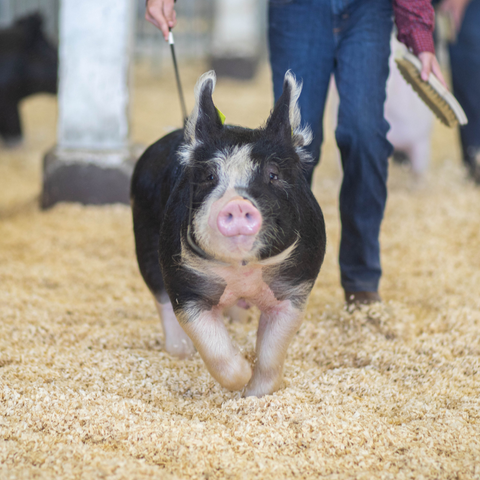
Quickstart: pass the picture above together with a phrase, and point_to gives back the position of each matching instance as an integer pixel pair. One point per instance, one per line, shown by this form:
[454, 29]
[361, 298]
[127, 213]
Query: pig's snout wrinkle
[239, 217]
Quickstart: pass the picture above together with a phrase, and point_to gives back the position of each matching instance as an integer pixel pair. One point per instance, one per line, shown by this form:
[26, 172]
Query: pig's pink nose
[239, 217]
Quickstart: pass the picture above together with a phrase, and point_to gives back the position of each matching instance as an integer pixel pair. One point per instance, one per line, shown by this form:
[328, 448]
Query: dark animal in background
[224, 218]
[28, 65]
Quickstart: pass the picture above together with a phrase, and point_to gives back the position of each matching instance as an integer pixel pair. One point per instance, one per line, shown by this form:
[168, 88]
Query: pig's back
[156, 172]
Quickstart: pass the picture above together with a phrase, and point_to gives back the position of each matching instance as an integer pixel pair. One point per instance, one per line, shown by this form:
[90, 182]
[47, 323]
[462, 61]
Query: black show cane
[177, 76]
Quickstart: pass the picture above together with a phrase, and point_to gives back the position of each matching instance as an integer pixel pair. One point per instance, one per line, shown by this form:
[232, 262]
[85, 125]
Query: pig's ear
[204, 122]
[285, 119]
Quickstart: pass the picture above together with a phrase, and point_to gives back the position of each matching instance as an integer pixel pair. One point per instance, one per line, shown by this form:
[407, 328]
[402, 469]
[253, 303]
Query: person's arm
[415, 21]
[161, 13]
[456, 9]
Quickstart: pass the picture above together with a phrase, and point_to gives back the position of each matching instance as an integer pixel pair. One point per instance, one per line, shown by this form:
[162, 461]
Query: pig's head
[248, 185]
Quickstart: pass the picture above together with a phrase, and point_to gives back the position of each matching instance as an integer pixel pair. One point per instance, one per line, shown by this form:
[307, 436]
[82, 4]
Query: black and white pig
[223, 216]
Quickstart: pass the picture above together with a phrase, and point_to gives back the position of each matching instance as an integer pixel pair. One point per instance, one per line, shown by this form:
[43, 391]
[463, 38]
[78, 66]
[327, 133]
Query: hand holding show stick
[161, 13]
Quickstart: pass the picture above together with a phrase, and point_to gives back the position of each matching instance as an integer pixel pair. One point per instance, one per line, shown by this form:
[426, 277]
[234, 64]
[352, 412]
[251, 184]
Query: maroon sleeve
[415, 21]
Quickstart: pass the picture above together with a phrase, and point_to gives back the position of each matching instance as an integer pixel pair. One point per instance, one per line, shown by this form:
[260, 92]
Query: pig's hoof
[235, 376]
[180, 348]
[261, 385]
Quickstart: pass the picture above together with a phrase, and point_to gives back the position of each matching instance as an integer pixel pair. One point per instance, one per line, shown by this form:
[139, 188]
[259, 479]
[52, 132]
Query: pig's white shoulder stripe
[281, 257]
[205, 267]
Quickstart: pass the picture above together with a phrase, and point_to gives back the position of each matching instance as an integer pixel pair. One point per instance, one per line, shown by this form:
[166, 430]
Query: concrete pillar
[236, 40]
[93, 159]
[5, 14]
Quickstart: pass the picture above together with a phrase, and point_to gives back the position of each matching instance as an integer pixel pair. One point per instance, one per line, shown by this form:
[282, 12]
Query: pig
[223, 217]
[28, 65]
[411, 121]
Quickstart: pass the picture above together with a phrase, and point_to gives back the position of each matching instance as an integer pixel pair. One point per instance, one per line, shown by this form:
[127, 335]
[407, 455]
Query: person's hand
[456, 9]
[161, 13]
[430, 64]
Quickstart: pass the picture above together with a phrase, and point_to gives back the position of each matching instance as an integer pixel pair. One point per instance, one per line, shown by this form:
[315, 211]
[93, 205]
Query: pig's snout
[239, 217]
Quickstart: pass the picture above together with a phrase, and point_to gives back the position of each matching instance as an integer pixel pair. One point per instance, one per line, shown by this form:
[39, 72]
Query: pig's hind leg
[276, 329]
[10, 124]
[146, 231]
[177, 342]
[420, 156]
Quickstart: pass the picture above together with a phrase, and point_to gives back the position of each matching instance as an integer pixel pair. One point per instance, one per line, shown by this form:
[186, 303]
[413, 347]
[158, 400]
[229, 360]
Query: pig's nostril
[239, 218]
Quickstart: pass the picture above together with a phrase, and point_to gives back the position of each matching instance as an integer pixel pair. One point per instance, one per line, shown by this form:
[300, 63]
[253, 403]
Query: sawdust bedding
[86, 390]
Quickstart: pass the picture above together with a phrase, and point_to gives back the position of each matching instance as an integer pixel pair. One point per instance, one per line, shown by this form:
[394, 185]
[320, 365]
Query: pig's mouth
[243, 244]
[236, 249]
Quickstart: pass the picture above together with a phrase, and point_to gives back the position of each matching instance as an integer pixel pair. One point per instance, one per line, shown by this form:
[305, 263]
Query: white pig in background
[411, 121]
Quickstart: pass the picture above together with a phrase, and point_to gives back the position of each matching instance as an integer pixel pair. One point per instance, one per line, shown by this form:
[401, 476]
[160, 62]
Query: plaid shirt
[415, 21]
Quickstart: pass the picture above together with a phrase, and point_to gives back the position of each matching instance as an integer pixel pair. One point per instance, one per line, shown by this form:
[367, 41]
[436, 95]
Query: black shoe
[475, 171]
[362, 298]
[472, 160]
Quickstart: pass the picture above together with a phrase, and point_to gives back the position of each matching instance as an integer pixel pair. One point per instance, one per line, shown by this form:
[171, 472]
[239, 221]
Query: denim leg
[465, 64]
[364, 30]
[301, 38]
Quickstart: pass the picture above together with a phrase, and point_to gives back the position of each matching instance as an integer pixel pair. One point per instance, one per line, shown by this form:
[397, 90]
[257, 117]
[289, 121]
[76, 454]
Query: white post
[5, 14]
[236, 38]
[93, 159]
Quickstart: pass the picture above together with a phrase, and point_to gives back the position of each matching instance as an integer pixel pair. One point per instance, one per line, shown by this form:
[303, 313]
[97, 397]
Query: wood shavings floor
[86, 391]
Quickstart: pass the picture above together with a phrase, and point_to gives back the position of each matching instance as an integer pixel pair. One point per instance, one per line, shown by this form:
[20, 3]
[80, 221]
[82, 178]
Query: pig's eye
[272, 174]
[209, 177]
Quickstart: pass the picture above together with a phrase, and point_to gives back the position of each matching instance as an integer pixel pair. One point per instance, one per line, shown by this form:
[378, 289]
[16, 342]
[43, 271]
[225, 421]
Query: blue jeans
[465, 63]
[351, 39]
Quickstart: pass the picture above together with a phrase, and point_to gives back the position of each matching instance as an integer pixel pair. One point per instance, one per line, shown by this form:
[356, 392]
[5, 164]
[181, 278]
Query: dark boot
[362, 298]
[473, 164]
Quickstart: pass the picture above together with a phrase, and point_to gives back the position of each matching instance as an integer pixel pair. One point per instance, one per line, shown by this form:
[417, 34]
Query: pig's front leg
[276, 329]
[177, 342]
[223, 360]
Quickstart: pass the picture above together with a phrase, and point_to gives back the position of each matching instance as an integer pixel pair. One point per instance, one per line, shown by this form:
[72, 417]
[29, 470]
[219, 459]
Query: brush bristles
[427, 93]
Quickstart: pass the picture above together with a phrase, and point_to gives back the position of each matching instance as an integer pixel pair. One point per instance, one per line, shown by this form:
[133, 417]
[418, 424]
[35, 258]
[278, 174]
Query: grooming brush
[440, 101]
